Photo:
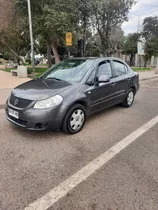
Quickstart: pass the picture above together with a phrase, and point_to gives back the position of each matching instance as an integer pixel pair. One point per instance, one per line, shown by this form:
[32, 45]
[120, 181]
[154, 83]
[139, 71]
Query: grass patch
[37, 70]
[43, 65]
[141, 69]
[8, 69]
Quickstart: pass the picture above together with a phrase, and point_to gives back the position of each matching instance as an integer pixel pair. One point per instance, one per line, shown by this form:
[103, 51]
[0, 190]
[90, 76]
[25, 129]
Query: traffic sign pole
[68, 42]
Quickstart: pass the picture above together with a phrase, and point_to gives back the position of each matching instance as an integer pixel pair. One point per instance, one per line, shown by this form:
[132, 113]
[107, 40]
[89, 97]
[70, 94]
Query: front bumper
[33, 119]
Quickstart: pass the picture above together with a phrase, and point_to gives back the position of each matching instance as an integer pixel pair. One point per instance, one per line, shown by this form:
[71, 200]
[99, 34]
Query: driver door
[102, 95]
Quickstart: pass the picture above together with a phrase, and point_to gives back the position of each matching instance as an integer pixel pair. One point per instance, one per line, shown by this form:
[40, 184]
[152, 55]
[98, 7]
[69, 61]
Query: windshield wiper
[55, 78]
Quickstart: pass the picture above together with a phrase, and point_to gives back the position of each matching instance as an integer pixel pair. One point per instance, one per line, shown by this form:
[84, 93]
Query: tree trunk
[145, 60]
[49, 55]
[54, 48]
[16, 55]
[11, 50]
[131, 59]
[15, 59]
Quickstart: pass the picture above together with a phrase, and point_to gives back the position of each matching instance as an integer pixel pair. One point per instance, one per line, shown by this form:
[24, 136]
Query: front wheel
[74, 119]
[129, 99]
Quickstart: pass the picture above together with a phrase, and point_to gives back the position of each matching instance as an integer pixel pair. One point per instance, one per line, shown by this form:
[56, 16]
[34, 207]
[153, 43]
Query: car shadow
[47, 135]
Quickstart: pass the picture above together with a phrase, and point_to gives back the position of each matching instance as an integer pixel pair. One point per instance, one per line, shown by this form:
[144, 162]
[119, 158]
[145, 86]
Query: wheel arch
[133, 88]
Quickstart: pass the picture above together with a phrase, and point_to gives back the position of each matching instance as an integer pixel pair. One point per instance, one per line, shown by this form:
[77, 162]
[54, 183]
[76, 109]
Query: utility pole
[31, 38]
[84, 28]
[138, 29]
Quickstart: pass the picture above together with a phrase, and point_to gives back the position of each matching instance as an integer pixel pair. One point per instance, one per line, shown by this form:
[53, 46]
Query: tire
[129, 99]
[74, 120]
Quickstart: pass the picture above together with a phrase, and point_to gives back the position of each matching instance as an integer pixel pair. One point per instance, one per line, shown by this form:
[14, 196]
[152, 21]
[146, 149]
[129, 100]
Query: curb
[148, 78]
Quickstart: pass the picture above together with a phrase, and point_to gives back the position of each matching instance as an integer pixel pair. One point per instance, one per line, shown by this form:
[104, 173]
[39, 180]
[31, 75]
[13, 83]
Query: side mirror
[103, 78]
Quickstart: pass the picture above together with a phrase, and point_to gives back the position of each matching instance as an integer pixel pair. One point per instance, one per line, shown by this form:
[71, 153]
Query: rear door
[122, 80]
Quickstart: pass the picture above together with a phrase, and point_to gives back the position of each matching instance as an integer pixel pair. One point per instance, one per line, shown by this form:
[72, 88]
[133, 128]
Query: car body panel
[101, 95]
[40, 89]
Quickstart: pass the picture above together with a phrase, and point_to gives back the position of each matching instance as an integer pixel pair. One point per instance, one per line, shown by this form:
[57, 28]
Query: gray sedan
[69, 92]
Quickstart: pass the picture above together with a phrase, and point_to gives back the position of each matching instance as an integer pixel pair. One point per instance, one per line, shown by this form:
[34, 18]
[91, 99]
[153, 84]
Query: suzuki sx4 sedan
[69, 92]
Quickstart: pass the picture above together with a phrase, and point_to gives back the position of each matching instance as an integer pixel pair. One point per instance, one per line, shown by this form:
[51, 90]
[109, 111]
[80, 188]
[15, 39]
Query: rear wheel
[74, 119]
[129, 99]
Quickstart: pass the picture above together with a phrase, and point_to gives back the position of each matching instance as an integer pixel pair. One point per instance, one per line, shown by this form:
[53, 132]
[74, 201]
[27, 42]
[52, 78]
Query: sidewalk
[145, 75]
[8, 82]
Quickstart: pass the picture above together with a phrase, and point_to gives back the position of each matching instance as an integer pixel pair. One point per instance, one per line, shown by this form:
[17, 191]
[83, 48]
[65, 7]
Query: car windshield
[69, 70]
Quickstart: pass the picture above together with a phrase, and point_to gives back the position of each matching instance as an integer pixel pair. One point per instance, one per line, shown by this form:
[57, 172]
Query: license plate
[13, 113]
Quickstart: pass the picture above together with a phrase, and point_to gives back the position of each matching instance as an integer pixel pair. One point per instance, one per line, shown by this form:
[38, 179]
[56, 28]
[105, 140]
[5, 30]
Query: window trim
[94, 70]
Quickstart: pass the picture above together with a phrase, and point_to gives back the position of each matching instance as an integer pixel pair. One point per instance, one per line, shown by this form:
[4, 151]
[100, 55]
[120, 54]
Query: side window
[120, 68]
[105, 68]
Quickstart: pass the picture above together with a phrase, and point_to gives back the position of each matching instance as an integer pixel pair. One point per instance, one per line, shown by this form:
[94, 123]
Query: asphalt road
[33, 163]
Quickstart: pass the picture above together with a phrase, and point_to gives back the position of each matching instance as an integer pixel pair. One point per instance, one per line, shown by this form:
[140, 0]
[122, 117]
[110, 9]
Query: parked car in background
[69, 92]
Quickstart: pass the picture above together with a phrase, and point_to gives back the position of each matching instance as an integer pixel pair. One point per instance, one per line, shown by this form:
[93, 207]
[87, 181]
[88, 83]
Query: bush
[6, 55]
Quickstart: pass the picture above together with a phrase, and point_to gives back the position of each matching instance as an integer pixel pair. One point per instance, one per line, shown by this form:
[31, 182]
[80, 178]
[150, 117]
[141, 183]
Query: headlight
[49, 102]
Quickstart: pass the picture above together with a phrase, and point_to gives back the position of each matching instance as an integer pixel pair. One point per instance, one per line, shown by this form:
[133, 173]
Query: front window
[105, 69]
[69, 70]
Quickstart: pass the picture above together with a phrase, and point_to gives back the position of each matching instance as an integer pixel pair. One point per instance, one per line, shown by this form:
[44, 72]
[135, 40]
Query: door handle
[128, 79]
[113, 84]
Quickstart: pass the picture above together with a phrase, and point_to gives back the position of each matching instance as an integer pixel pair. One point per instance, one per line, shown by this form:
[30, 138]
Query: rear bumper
[33, 119]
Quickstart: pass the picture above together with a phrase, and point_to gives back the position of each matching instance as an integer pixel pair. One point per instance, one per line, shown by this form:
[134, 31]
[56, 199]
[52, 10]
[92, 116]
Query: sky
[140, 10]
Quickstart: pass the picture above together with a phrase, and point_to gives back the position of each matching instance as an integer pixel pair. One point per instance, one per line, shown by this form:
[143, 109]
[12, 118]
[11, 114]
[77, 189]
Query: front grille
[20, 122]
[19, 102]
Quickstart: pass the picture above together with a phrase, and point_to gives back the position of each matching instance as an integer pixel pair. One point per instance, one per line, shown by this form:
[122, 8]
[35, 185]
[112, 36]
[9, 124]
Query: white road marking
[62, 189]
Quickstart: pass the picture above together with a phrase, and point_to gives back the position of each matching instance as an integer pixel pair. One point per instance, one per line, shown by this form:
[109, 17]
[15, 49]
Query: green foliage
[37, 70]
[93, 48]
[6, 55]
[106, 16]
[15, 37]
[150, 32]
[150, 26]
[141, 69]
[53, 18]
[130, 44]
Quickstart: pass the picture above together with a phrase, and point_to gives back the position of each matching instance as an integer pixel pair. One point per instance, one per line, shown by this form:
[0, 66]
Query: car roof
[95, 58]
[83, 58]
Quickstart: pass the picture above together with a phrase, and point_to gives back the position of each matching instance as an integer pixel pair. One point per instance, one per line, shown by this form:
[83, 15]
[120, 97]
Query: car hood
[40, 89]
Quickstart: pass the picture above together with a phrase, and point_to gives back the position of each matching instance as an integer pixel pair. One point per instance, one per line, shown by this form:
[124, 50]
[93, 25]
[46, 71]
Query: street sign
[140, 47]
[68, 39]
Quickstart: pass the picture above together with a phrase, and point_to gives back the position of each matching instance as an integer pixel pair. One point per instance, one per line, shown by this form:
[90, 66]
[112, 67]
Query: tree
[150, 33]
[130, 46]
[93, 46]
[52, 19]
[13, 33]
[106, 15]
[6, 12]
[116, 41]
